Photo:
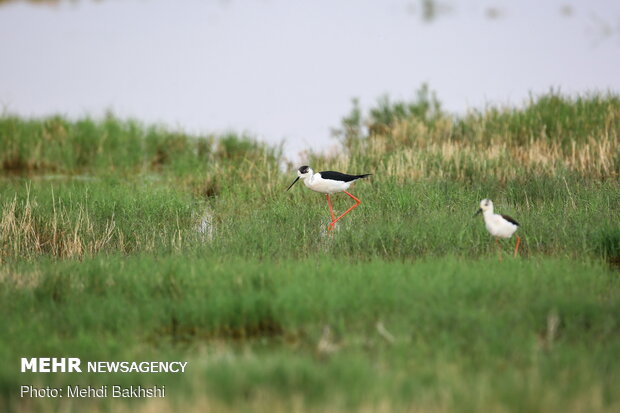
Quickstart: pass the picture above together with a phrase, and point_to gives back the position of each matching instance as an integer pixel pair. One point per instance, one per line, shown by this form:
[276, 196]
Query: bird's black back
[510, 219]
[339, 176]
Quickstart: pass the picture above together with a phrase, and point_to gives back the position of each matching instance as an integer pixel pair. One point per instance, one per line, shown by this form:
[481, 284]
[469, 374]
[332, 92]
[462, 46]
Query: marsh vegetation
[120, 240]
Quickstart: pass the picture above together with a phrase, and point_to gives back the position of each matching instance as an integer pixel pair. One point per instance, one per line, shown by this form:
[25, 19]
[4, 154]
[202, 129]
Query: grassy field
[120, 241]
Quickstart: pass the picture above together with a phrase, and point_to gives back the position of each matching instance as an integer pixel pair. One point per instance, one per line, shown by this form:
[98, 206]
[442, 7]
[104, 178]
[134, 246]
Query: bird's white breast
[498, 226]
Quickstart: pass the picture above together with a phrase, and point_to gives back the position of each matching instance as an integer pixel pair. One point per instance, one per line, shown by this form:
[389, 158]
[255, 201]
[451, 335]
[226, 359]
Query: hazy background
[287, 70]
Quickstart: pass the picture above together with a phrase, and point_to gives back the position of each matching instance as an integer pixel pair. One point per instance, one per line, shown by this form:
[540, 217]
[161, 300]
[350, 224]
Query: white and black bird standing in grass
[328, 182]
[499, 226]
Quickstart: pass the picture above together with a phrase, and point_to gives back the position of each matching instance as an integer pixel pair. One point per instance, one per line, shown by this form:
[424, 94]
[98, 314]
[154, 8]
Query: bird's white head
[485, 205]
[303, 172]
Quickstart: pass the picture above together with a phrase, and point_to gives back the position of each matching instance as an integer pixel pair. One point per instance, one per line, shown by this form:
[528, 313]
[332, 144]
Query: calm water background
[287, 70]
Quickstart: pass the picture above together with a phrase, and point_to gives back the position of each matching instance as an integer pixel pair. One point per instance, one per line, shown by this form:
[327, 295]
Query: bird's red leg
[499, 249]
[517, 247]
[348, 210]
[331, 211]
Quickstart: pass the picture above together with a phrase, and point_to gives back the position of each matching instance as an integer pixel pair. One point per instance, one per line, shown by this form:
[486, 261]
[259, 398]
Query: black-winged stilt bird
[328, 182]
[499, 226]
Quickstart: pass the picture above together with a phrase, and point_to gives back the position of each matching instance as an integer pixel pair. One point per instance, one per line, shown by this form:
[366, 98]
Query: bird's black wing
[510, 219]
[339, 176]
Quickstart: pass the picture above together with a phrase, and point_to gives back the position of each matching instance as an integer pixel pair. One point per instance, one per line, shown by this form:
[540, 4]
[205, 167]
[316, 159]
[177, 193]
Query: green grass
[404, 307]
[394, 221]
[76, 218]
[56, 146]
[479, 330]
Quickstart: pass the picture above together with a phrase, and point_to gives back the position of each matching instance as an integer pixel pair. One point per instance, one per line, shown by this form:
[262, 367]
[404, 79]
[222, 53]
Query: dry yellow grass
[22, 233]
[411, 149]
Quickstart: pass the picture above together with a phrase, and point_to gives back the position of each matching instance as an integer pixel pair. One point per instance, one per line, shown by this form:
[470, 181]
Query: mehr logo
[51, 365]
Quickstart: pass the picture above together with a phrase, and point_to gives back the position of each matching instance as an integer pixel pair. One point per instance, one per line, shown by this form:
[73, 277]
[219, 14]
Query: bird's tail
[362, 176]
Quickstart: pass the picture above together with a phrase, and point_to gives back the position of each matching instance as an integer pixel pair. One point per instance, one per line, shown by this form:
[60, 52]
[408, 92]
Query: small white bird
[328, 182]
[499, 226]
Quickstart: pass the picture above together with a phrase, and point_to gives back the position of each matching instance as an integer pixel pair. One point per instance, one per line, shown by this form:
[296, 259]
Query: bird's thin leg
[331, 211]
[348, 210]
[499, 249]
[517, 247]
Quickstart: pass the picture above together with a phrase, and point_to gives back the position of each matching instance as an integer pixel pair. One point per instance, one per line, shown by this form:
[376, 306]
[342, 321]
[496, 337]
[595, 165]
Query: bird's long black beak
[292, 184]
[478, 212]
